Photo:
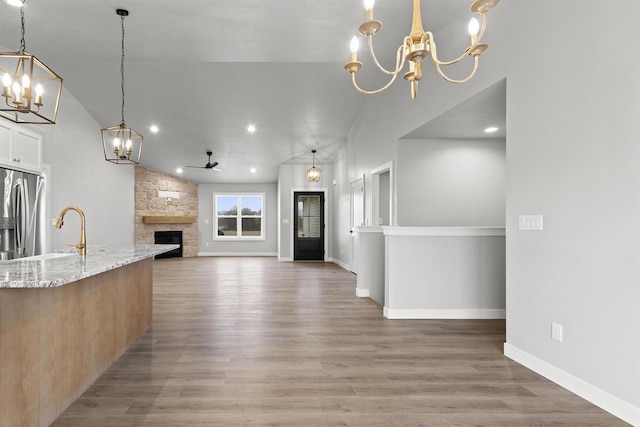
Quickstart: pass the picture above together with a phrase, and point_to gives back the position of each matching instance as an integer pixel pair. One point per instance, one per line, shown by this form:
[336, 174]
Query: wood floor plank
[257, 342]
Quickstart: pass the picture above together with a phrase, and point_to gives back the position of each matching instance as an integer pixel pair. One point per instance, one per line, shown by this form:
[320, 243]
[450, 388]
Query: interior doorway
[309, 226]
[357, 219]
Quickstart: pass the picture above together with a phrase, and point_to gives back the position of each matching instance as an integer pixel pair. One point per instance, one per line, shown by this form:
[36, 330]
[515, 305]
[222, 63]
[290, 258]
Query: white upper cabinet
[20, 148]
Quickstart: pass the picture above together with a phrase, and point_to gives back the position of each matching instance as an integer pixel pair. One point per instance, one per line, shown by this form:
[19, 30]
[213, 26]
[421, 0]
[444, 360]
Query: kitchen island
[63, 321]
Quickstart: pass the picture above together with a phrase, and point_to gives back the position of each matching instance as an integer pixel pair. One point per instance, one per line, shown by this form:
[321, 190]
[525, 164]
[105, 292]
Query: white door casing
[357, 219]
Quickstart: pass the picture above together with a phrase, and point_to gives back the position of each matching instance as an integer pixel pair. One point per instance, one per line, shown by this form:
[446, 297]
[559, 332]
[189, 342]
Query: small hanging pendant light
[30, 89]
[313, 173]
[121, 144]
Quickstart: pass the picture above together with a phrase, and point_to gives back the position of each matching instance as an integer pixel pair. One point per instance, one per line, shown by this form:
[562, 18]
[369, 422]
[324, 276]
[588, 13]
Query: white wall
[269, 246]
[461, 182]
[573, 135]
[295, 177]
[81, 177]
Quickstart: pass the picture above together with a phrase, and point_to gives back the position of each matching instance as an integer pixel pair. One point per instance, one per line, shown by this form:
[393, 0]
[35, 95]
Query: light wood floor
[254, 341]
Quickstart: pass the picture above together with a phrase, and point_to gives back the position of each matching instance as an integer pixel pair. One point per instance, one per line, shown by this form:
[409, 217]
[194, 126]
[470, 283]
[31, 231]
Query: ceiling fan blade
[217, 169]
[195, 167]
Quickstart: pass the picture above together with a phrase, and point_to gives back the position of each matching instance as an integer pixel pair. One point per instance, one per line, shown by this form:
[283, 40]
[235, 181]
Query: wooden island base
[55, 342]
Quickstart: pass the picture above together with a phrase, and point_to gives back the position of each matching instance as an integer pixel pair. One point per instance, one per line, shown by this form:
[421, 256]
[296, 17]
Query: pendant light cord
[122, 69]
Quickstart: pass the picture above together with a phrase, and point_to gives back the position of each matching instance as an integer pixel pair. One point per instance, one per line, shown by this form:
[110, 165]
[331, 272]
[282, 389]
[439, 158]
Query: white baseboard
[362, 293]
[595, 395]
[470, 313]
[237, 254]
[285, 259]
[342, 264]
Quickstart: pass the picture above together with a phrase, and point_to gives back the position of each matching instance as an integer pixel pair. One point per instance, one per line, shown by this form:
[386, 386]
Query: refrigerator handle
[19, 209]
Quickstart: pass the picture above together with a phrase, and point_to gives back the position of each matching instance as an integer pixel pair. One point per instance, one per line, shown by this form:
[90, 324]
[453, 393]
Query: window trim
[239, 216]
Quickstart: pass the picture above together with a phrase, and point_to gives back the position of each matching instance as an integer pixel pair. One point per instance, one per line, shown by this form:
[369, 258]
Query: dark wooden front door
[308, 241]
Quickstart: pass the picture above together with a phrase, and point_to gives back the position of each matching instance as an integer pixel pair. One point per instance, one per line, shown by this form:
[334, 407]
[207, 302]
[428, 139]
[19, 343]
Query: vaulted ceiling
[203, 70]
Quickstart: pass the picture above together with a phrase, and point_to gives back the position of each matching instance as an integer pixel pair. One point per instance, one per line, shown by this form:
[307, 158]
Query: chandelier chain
[22, 42]
[122, 70]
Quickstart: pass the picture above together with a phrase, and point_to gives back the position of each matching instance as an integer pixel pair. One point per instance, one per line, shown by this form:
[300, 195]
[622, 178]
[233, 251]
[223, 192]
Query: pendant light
[30, 89]
[121, 144]
[313, 173]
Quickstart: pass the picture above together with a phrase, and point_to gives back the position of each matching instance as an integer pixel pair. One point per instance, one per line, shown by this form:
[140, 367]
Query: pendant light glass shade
[121, 144]
[30, 89]
[313, 173]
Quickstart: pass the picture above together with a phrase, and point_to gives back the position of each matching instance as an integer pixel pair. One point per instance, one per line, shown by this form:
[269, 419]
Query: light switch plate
[530, 222]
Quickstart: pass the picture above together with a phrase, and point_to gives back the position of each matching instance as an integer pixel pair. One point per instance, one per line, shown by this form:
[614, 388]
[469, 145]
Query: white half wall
[444, 273]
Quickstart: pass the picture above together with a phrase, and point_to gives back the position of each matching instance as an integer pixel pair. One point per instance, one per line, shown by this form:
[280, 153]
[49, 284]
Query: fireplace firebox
[169, 238]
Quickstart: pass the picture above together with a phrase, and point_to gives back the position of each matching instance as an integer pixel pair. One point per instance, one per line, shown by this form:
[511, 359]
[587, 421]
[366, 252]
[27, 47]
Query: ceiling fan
[209, 165]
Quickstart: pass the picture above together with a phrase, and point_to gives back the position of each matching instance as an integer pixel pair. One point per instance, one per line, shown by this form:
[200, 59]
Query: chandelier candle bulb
[368, 7]
[6, 81]
[355, 44]
[17, 90]
[39, 92]
[474, 27]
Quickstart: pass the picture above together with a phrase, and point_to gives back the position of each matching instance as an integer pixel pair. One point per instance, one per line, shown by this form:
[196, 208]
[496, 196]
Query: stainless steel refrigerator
[23, 222]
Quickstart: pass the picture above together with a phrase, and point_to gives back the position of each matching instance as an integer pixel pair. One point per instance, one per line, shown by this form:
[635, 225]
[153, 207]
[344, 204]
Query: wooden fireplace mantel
[168, 219]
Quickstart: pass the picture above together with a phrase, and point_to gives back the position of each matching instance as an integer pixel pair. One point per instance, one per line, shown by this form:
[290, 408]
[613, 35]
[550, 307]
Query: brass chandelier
[418, 45]
[31, 90]
[313, 173]
[121, 144]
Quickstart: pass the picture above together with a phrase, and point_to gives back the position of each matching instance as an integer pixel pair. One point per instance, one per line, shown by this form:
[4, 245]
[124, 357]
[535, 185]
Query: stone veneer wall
[147, 185]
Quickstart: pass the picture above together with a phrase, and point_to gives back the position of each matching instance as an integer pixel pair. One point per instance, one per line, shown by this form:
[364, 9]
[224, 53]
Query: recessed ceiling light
[154, 129]
[491, 129]
[251, 128]
[179, 170]
[252, 170]
[17, 3]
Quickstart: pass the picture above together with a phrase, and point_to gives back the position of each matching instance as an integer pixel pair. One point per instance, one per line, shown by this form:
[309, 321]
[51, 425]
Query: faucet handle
[77, 245]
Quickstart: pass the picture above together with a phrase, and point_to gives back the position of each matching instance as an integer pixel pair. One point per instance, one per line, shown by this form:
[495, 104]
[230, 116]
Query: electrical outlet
[556, 331]
[207, 244]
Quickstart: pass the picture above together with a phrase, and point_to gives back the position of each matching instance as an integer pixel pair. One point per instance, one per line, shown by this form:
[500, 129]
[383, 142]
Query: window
[238, 216]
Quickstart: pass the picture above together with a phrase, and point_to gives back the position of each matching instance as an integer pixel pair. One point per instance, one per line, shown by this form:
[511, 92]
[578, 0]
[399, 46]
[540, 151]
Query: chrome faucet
[82, 245]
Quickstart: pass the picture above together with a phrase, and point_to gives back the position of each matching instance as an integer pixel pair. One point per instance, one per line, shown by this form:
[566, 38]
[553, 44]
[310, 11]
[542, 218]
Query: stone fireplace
[166, 203]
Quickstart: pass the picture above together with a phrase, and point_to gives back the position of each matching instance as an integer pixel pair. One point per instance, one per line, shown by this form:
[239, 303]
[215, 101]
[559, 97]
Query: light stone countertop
[52, 270]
